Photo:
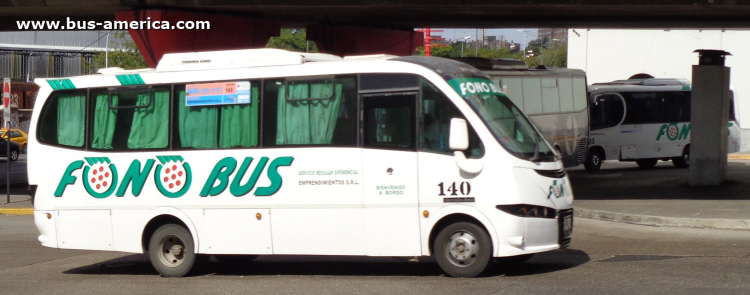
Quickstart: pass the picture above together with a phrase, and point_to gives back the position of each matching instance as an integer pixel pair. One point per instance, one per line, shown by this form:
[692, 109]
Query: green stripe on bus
[52, 84]
[132, 79]
[69, 84]
[61, 84]
[88, 160]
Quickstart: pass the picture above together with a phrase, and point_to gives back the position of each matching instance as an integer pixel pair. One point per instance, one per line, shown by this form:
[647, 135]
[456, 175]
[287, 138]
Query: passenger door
[606, 113]
[390, 174]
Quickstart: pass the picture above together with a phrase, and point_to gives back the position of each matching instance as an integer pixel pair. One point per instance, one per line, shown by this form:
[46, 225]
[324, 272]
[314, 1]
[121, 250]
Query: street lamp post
[524, 37]
[462, 45]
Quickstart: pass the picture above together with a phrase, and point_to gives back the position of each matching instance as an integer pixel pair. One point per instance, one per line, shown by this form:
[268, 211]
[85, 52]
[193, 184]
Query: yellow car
[17, 136]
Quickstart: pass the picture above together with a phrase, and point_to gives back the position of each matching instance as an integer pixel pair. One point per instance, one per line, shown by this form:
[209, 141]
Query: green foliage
[454, 50]
[547, 53]
[555, 55]
[292, 40]
[123, 53]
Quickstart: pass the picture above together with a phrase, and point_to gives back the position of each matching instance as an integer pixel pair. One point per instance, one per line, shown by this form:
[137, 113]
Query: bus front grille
[582, 149]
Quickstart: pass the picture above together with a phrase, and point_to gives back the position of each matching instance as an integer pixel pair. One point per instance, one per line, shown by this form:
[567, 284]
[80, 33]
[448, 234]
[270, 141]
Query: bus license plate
[568, 225]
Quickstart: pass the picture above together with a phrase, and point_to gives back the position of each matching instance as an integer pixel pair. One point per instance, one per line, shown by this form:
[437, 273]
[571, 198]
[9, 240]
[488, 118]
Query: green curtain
[71, 111]
[197, 125]
[307, 122]
[150, 128]
[104, 122]
[239, 124]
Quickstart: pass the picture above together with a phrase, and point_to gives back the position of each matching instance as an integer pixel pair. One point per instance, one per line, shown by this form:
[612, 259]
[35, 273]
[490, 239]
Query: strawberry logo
[100, 177]
[672, 133]
[172, 176]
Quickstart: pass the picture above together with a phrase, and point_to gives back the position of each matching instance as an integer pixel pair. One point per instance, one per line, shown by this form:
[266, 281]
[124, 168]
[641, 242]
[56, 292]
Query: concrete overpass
[346, 27]
[414, 13]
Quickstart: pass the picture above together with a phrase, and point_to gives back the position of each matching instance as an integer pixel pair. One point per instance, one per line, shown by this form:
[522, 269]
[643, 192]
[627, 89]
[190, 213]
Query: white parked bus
[644, 120]
[553, 98]
[261, 152]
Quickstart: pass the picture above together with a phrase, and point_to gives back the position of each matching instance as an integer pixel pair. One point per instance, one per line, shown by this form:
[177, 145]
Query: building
[553, 33]
[25, 56]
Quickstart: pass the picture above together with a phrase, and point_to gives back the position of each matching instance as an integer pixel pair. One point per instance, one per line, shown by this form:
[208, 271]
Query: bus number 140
[464, 188]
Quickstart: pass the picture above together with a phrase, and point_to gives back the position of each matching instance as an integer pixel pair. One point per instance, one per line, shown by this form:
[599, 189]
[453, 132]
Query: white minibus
[644, 120]
[265, 151]
[553, 98]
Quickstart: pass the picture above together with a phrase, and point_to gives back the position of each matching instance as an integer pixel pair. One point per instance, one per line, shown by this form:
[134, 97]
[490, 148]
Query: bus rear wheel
[463, 250]
[684, 160]
[646, 163]
[172, 251]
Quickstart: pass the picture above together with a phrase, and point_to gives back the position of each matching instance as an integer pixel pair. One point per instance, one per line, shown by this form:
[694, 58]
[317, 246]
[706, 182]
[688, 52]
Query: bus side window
[217, 126]
[130, 118]
[389, 121]
[310, 112]
[676, 106]
[63, 119]
[436, 112]
[643, 108]
[606, 111]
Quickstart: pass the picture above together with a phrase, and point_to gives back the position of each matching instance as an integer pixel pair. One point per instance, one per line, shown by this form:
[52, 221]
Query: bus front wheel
[593, 161]
[172, 251]
[463, 250]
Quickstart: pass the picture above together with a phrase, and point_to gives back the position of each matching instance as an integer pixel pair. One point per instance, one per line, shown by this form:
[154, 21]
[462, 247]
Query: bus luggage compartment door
[236, 231]
[628, 152]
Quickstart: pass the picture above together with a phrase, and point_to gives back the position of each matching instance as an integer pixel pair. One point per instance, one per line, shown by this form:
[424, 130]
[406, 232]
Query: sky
[510, 34]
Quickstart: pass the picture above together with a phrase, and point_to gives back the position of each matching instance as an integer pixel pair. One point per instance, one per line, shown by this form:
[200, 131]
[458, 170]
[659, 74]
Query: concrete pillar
[709, 119]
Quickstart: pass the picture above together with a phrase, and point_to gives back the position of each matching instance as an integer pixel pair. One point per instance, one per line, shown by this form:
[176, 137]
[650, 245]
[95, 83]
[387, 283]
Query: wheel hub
[462, 249]
[172, 252]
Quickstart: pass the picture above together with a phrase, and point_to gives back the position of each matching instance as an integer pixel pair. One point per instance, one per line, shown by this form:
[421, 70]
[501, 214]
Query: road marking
[16, 211]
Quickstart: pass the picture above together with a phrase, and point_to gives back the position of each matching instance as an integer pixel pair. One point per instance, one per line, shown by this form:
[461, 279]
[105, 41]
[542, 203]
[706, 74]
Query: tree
[292, 40]
[469, 50]
[123, 53]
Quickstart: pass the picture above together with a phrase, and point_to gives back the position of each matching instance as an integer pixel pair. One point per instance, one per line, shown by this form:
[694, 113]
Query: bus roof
[632, 85]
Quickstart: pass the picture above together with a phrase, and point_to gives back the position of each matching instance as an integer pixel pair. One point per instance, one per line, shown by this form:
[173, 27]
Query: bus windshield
[510, 127]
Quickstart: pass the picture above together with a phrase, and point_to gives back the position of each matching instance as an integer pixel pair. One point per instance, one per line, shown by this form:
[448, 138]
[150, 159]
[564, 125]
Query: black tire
[172, 251]
[646, 163]
[14, 155]
[463, 250]
[593, 161]
[235, 260]
[684, 160]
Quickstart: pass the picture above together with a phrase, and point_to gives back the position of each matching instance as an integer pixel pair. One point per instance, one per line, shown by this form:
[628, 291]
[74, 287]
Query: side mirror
[459, 142]
[459, 137]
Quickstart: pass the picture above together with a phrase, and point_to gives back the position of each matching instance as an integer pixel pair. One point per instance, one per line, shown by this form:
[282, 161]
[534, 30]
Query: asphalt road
[605, 258]
[17, 171]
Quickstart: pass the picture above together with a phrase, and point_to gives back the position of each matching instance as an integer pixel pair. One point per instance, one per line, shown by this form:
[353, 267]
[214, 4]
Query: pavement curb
[738, 157]
[16, 211]
[733, 224]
